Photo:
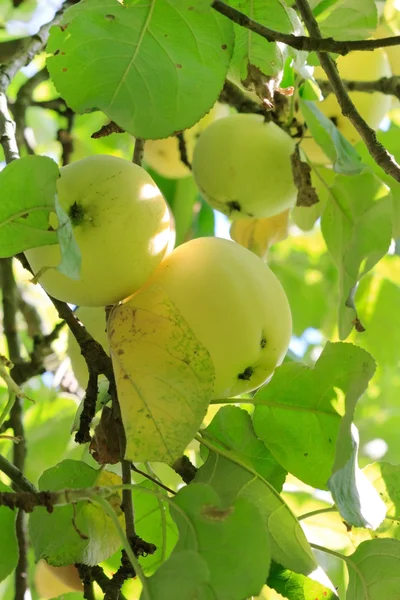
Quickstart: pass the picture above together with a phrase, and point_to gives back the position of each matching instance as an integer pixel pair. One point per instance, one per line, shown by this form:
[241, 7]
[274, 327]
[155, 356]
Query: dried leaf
[258, 235]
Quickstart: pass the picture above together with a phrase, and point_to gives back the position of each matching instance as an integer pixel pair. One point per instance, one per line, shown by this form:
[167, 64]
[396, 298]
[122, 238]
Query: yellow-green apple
[121, 224]
[242, 167]
[164, 156]
[234, 305]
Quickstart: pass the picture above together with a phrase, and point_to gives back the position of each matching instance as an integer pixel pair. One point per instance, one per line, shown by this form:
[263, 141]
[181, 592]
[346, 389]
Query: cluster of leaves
[234, 531]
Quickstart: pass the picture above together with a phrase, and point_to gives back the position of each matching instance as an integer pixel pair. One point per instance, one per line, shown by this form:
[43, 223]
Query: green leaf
[254, 58]
[108, 56]
[71, 258]
[185, 576]
[354, 495]
[8, 539]
[232, 540]
[385, 478]
[153, 523]
[231, 480]
[339, 150]
[374, 571]
[297, 587]
[162, 408]
[28, 190]
[232, 429]
[83, 533]
[298, 414]
[347, 19]
[357, 228]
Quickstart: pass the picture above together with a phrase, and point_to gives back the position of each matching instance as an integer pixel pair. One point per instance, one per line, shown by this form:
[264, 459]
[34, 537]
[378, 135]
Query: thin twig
[10, 307]
[378, 152]
[16, 476]
[234, 96]
[153, 479]
[301, 42]
[385, 85]
[183, 150]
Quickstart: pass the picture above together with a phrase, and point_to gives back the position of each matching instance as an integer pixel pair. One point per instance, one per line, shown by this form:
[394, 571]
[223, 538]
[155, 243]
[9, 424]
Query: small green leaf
[71, 258]
[339, 150]
[8, 539]
[354, 495]
[296, 586]
[298, 414]
[185, 575]
[374, 571]
[232, 429]
[108, 56]
[385, 478]
[232, 540]
[28, 190]
[360, 208]
[83, 533]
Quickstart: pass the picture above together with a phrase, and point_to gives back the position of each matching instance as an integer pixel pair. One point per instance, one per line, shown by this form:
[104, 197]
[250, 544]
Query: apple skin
[121, 224]
[242, 167]
[356, 66]
[163, 155]
[94, 319]
[235, 306]
[53, 582]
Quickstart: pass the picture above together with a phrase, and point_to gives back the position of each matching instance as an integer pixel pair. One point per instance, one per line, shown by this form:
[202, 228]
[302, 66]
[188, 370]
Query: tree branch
[16, 476]
[302, 42]
[385, 85]
[378, 152]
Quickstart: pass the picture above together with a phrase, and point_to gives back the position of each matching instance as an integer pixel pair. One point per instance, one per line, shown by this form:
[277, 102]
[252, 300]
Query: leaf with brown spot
[164, 376]
[258, 235]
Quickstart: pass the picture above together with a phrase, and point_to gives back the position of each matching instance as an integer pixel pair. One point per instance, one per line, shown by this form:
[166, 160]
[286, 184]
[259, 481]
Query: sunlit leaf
[298, 414]
[374, 571]
[82, 533]
[295, 586]
[164, 376]
[109, 56]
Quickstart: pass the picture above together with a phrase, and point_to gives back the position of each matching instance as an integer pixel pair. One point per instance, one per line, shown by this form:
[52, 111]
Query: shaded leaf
[82, 533]
[347, 19]
[357, 228]
[8, 539]
[232, 430]
[231, 479]
[108, 56]
[185, 575]
[216, 532]
[164, 376]
[298, 414]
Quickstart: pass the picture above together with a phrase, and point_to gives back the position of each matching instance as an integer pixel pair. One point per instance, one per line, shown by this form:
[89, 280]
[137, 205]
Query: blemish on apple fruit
[246, 374]
[263, 342]
[76, 214]
[234, 205]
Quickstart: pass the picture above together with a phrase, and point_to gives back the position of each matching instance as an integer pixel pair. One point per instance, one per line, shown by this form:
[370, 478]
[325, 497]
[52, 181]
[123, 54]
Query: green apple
[235, 306]
[242, 167]
[356, 66]
[164, 156]
[94, 319]
[121, 224]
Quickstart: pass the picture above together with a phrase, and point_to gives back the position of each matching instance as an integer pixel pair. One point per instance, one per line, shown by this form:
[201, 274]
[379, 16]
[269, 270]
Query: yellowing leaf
[164, 376]
[258, 235]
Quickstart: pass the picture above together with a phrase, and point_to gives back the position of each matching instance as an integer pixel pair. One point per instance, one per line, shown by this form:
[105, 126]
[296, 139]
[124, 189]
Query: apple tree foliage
[293, 490]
